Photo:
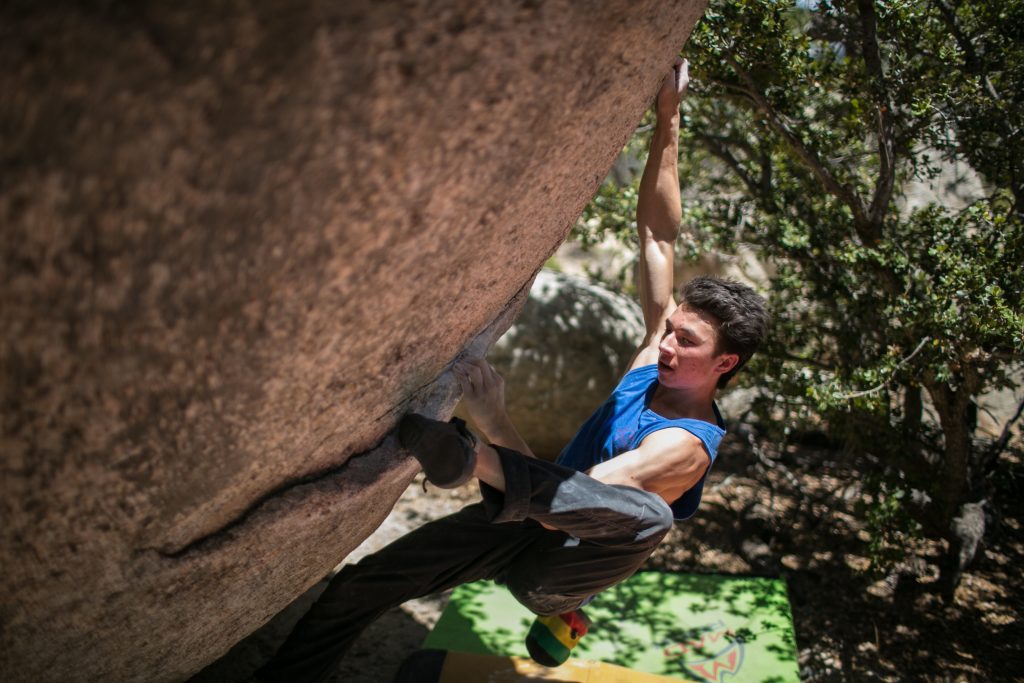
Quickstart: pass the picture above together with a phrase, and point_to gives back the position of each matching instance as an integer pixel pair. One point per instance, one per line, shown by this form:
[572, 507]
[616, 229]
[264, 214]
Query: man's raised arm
[659, 213]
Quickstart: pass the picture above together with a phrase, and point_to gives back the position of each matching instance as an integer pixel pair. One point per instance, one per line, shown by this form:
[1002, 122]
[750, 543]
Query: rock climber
[558, 533]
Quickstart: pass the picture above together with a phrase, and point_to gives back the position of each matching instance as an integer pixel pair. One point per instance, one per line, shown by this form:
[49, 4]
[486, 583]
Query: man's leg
[608, 531]
[460, 548]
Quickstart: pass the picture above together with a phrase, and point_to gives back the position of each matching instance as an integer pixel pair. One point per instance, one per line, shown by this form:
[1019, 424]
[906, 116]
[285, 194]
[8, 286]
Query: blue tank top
[624, 420]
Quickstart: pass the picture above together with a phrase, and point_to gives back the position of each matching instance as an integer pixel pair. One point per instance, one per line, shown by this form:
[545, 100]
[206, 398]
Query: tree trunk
[963, 533]
[952, 406]
[912, 460]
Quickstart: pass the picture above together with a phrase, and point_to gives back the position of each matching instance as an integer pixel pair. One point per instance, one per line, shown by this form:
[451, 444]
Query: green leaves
[853, 289]
[804, 128]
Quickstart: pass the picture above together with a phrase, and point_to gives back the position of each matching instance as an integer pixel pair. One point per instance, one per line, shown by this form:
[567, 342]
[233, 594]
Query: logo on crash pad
[711, 655]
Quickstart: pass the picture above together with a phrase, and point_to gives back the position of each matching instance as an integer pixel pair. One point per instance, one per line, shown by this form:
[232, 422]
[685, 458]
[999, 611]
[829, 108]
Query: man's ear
[726, 362]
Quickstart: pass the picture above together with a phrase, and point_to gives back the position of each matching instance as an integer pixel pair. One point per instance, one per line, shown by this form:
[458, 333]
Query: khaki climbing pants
[606, 532]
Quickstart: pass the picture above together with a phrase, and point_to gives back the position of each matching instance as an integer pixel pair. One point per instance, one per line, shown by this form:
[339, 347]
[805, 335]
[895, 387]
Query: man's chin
[670, 379]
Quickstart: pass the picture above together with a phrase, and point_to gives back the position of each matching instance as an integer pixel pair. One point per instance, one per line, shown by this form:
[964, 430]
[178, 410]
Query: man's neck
[684, 403]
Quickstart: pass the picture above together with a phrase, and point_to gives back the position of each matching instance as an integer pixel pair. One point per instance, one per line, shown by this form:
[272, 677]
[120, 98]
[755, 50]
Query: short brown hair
[741, 314]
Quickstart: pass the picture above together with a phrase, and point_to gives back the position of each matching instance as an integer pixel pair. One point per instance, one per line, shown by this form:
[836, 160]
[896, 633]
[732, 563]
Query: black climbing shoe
[446, 450]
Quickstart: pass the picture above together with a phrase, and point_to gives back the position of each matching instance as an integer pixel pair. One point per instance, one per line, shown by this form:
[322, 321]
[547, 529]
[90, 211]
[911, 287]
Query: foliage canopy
[809, 131]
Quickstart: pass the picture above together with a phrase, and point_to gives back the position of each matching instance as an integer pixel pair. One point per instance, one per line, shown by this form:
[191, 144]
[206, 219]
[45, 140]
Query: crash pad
[699, 627]
[449, 666]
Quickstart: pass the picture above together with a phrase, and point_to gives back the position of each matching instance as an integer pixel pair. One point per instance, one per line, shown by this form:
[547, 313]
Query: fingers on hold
[462, 376]
[496, 376]
[477, 373]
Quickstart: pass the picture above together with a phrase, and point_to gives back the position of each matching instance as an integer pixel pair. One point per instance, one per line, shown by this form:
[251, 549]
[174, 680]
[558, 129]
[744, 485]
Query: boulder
[240, 240]
[563, 356]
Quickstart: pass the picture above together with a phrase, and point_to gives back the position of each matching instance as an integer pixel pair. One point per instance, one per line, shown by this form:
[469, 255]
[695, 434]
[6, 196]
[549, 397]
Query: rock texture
[564, 354]
[240, 239]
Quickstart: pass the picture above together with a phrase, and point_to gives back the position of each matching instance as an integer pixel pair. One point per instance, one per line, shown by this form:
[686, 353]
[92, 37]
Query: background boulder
[240, 240]
[564, 354]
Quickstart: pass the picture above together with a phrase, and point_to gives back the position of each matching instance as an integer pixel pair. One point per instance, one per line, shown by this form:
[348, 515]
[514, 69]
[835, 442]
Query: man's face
[688, 356]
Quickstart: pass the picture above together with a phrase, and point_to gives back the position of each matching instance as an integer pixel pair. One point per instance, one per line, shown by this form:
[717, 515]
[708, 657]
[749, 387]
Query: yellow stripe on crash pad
[560, 630]
[460, 667]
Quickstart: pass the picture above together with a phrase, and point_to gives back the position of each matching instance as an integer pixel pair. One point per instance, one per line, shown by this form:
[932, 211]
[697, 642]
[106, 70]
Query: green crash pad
[449, 666]
[685, 626]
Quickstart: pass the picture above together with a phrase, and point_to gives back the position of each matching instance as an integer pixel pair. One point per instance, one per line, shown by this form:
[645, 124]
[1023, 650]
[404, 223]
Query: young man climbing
[558, 533]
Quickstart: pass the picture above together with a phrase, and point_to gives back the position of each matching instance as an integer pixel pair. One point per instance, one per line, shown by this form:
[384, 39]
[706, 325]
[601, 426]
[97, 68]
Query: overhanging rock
[240, 240]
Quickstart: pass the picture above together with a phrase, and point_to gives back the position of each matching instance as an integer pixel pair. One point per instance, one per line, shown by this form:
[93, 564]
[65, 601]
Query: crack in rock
[440, 399]
[208, 538]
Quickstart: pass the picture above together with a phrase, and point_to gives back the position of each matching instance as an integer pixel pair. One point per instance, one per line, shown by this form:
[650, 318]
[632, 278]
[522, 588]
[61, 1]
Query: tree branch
[766, 172]
[886, 127]
[965, 43]
[841, 192]
[976, 67]
[747, 148]
[800, 359]
[718, 149]
[904, 361]
[735, 87]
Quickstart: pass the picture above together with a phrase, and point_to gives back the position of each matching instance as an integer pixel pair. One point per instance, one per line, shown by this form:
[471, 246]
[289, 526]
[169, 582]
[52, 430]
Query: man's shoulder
[675, 439]
[675, 450]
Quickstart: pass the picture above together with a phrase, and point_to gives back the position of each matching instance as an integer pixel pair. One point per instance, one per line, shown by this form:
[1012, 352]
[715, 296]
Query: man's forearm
[501, 432]
[658, 204]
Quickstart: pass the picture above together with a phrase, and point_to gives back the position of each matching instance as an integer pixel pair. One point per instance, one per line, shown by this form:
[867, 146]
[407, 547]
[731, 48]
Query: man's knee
[544, 604]
[655, 521]
[541, 588]
[642, 518]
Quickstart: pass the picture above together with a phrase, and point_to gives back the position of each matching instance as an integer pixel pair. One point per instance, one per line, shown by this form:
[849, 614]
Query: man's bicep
[645, 355]
[677, 458]
[668, 462]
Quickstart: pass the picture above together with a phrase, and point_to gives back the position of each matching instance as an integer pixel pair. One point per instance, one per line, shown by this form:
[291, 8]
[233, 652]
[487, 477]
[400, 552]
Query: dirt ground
[851, 625]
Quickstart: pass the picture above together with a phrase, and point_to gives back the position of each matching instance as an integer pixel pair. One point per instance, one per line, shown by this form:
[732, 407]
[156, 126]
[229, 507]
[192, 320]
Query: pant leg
[604, 514]
[609, 531]
[460, 548]
[557, 575]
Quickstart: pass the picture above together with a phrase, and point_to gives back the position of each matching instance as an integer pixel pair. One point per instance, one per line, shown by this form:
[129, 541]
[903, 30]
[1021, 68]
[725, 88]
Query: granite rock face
[563, 356]
[240, 240]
